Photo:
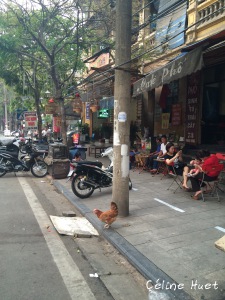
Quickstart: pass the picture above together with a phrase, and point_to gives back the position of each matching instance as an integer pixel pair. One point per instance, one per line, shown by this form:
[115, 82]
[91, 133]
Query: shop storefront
[166, 92]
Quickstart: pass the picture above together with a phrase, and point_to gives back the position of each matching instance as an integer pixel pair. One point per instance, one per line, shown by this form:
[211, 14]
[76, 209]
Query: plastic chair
[212, 186]
[177, 181]
[162, 168]
[221, 157]
[138, 163]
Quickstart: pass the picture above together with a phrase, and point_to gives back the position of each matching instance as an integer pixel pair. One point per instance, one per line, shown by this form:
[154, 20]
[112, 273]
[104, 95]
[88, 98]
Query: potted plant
[84, 129]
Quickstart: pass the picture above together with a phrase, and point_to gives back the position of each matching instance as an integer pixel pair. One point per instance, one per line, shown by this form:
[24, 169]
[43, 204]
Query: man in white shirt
[160, 154]
[163, 146]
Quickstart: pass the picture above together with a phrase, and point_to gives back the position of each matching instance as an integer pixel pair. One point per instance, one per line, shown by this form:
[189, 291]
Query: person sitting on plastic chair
[77, 157]
[176, 165]
[209, 171]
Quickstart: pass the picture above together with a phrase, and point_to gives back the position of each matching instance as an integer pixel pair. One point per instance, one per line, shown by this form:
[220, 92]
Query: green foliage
[85, 128]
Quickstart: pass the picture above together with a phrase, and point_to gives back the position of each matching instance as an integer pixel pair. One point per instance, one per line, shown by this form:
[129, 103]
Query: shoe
[153, 171]
[186, 189]
[196, 197]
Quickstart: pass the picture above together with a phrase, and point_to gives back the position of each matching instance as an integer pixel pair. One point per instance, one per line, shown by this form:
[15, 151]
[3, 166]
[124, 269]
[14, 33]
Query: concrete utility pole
[121, 134]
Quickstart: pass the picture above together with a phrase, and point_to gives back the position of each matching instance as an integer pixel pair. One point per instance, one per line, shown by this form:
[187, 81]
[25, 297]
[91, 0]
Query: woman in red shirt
[209, 171]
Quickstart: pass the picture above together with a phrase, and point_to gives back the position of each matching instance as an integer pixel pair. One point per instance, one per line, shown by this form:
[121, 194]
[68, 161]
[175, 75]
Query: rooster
[108, 216]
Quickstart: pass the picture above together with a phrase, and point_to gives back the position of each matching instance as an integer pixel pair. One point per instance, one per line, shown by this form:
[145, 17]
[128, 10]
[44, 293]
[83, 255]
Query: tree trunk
[37, 104]
[63, 121]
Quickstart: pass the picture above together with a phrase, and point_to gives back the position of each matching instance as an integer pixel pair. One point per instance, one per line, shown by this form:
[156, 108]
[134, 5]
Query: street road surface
[39, 264]
[35, 263]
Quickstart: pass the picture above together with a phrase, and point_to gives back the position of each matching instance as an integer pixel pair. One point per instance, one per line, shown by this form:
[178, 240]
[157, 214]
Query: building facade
[182, 93]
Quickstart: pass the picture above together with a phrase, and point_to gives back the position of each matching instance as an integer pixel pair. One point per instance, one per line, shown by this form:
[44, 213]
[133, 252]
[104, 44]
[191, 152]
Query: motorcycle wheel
[79, 188]
[2, 172]
[39, 169]
[130, 184]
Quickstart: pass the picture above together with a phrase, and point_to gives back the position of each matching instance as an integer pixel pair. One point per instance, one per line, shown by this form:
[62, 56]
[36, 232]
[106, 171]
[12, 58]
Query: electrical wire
[154, 48]
[162, 14]
[147, 21]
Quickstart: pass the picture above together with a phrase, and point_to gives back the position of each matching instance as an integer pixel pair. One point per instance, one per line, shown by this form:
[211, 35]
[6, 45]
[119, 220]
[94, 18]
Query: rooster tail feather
[114, 206]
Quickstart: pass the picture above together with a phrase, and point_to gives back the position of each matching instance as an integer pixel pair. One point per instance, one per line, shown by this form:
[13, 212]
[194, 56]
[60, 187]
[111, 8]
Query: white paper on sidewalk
[73, 226]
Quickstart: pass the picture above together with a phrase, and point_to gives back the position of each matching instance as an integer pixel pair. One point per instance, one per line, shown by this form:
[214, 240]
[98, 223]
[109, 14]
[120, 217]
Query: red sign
[30, 120]
[192, 108]
[76, 137]
[176, 114]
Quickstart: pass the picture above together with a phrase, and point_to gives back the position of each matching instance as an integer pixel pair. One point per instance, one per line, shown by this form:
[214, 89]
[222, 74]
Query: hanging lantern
[51, 100]
[94, 106]
[77, 95]
[77, 110]
[77, 105]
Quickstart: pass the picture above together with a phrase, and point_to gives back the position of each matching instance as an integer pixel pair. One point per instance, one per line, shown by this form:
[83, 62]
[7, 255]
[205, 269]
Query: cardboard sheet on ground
[220, 244]
[73, 226]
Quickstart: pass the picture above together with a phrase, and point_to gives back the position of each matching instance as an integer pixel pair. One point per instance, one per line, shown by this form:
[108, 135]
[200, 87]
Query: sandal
[186, 189]
[196, 197]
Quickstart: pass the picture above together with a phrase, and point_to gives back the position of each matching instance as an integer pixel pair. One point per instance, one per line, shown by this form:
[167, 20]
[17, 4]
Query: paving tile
[177, 241]
[180, 244]
[125, 231]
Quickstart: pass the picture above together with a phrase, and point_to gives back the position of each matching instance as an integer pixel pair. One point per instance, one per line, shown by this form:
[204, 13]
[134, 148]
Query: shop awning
[181, 66]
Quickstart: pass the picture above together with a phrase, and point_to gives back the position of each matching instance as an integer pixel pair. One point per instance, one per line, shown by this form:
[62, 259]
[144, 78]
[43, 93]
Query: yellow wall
[213, 23]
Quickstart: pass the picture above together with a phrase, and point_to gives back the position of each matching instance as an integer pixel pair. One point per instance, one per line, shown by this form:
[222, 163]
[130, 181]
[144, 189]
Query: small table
[98, 149]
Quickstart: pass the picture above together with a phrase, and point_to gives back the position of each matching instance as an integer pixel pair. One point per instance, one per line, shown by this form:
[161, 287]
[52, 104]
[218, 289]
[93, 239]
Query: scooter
[32, 161]
[88, 176]
[10, 145]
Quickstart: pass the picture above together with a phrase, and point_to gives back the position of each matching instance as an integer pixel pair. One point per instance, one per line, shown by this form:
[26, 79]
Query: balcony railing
[211, 12]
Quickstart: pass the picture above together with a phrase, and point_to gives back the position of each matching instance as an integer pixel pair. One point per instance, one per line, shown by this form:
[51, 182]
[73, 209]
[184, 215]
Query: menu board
[176, 114]
[192, 108]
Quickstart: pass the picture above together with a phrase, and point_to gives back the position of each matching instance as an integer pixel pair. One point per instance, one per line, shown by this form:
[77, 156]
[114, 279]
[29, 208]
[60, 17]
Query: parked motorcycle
[10, 145]
[32, 161]
[88, 176]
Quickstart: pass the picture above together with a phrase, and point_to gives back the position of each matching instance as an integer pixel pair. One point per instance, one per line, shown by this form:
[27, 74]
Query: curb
[147, 268]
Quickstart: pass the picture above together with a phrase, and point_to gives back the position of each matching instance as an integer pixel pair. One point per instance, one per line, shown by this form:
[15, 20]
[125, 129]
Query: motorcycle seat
[7, 141]
[93, 163]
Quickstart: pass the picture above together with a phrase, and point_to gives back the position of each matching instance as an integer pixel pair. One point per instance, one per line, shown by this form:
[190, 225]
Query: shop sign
[101, 61]
[30, 120]
[181, 66]
[176, 114]
[87, 111]
[192, 108]
[76, 138]
[52, 109]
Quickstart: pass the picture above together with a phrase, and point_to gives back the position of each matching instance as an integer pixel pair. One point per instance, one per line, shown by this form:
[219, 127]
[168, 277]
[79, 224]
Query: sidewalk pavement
[168, 237]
